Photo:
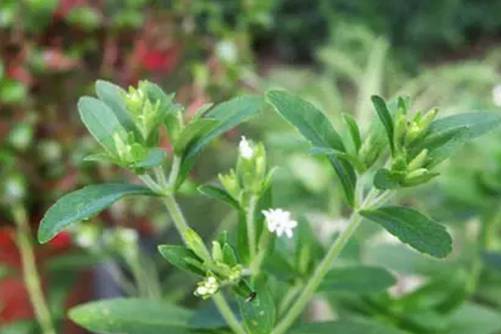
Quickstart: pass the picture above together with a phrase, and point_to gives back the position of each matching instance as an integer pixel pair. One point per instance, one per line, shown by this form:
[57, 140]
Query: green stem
[30, 273]
[251, 227]
[288, 298]
[219, 300]
[262, 248]
[320, 272]
[227, 313]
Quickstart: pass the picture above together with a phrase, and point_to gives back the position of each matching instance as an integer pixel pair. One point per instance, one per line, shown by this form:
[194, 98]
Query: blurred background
[334, 53]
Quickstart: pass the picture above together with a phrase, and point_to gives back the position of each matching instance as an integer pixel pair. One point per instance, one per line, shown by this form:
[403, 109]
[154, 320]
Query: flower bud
[418, 161]
[230, 183]
[207, 288]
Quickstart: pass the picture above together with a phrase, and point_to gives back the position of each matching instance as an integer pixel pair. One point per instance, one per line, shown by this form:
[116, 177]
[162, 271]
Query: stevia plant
[242, 271]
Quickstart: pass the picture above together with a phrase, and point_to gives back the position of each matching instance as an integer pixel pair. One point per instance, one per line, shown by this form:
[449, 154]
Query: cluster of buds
[145, 112]
[219, 267]
[410, 164]
[250, 176]
[128, 151]
[207, 287]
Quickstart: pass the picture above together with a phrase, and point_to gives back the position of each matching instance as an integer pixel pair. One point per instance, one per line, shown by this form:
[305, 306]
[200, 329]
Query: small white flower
[496, 95]
[279, 222]
[245, 148]
[207, 287]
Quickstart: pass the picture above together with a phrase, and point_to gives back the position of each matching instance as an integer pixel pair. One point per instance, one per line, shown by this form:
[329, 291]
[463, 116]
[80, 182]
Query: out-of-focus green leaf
[472, 318]
[347, 326]
[318, 130]
[133, 316]
[194, 130]
[413, 228]
[228, 114]
[82, 204]
[357, 279]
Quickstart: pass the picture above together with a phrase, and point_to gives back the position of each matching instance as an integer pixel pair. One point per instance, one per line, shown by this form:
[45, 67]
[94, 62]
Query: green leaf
[472, 318]
[82, 204]
[447, 134]
[155, 157]
[354, 131]
[349, 158]
[101, 122]
[229, 114]
[413, 228]
[357, 279]
[219, 194]
[477, 123]
[259, 313]
[385, 117]
[346, 326]
[194, 130]
[133, 316]
[384, 179]
[113, 96]
[182, 258]
[318, 130]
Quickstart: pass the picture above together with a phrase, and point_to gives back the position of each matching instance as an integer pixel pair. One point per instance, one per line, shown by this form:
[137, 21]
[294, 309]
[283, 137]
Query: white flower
[279, 222]
[246, 150]
[207, 287]
[496, 95]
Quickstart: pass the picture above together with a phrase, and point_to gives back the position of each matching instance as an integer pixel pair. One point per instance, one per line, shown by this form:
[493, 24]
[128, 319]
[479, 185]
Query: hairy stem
[30, 273]
[262, 247]
[227, 313]
[251, 227]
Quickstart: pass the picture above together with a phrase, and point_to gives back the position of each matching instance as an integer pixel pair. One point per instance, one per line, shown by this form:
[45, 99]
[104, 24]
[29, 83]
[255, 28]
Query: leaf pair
[318, 130]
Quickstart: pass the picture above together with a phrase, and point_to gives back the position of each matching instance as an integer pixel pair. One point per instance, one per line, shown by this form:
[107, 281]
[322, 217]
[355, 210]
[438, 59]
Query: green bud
[426, 120]
[217, 251]
[399, 131]
[370, 151]
[251, 166]
[196, 244]
[418, 161]
[418, 176]
[230, 183]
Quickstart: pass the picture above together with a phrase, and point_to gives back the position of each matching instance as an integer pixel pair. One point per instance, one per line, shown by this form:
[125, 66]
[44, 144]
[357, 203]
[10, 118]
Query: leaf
[219, 194]
[346, 326]
[113, 96]
[385, 117]
[413, 228]
[384, 179]
[354, 131]
[229, 114]
[101, 122]
[155, 157]
[83, 204]
[357, 279]
[447, 134]
[178, 256]
[473, 318]
[318, 130]
[442, 145]
[259, 313]
[477, 123]
[132, 316]
[195, 129]
[353, 160]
